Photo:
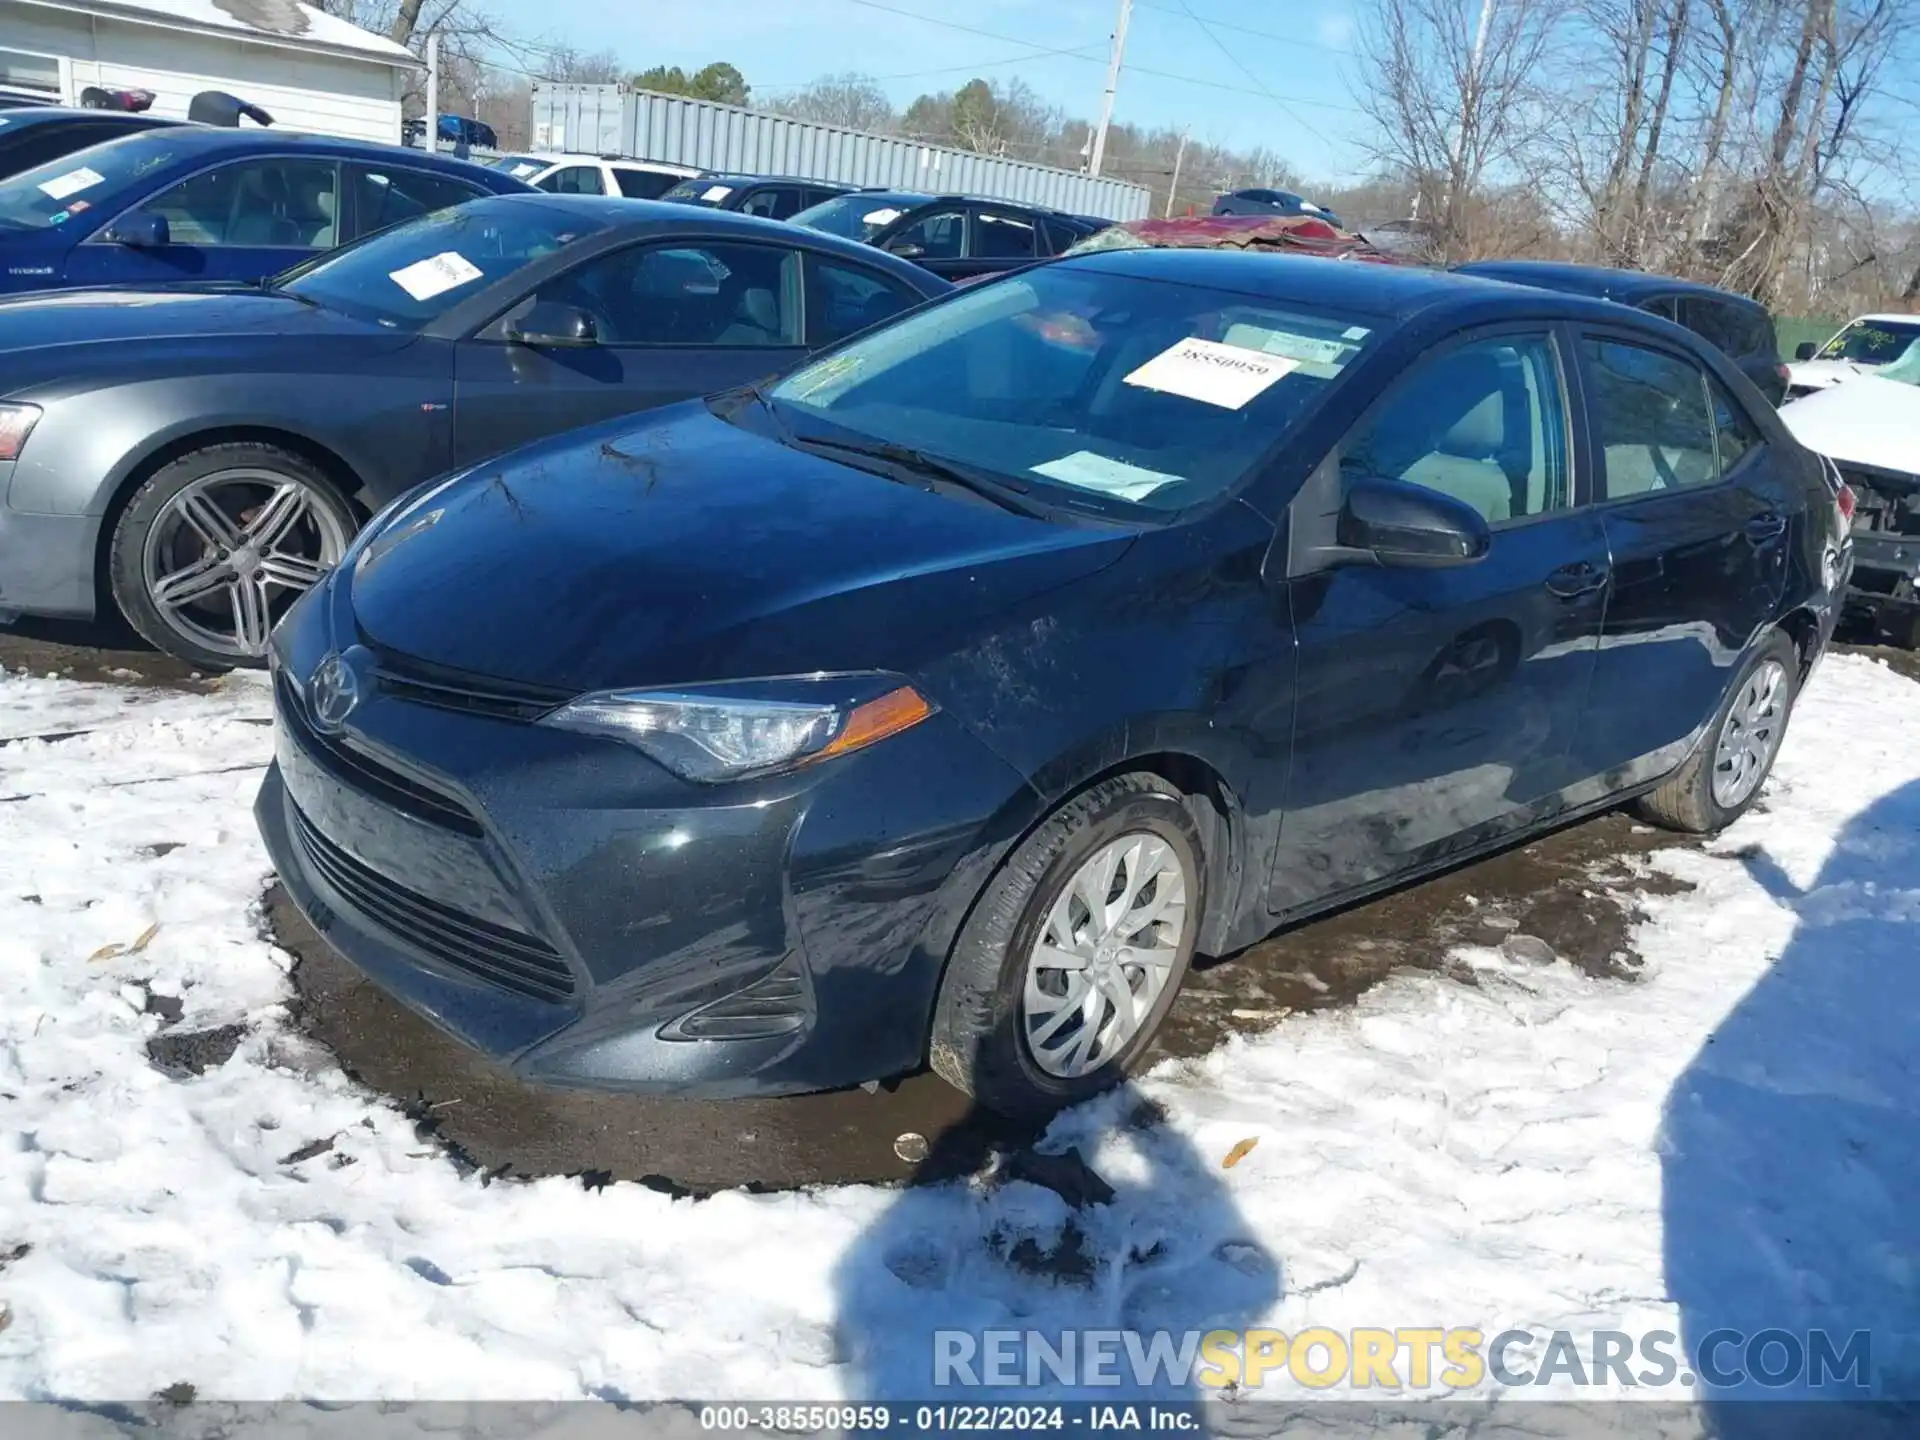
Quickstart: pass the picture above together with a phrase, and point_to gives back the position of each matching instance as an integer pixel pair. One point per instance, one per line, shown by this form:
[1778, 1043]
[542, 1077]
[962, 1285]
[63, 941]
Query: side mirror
[1405, 524]
[141, 229]
[551, 325]
[906, 249]
[1806, 350]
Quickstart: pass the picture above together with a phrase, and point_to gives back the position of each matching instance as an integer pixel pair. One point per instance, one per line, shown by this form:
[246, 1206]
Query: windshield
[67, 188]
[405, 277]
[1906, 369]
[520, 167]
[1872, 342]
[857, 216]
[1091, 385]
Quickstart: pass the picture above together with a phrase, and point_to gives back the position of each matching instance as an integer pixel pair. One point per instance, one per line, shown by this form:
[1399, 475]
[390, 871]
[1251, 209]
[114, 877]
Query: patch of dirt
[186, 1053]
[1569, 892]
[1901, 662]
[107, 654]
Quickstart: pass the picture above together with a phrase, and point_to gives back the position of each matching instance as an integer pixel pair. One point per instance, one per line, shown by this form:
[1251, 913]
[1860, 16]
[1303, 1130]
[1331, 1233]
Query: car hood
[1818, 374]
[1867, 421]
[685, 548]
[59, 318]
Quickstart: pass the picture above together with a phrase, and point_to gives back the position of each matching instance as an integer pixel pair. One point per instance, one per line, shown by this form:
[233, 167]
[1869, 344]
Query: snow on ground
[1728, 1141]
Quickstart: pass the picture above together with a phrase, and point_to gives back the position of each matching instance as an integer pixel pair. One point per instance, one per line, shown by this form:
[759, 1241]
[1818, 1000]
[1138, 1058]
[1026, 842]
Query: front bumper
[564, 905]
[46, 561]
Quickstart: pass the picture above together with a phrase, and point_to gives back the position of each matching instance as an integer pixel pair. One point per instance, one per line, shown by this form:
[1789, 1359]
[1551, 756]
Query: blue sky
[1301, 55]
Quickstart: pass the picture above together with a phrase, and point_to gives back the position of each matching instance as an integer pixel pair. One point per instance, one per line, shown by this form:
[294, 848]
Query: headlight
[16, 423]
[751, 727]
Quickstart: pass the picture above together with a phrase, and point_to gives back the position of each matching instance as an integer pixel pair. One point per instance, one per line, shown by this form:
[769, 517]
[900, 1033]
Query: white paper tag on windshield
[1214, 374]
[435, 275]
[716, 192]
[1091, 471]
[71, 183]
[520, 172]
[879, 217]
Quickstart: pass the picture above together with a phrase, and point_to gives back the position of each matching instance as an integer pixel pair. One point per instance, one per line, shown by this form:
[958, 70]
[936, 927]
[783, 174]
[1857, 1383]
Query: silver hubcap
[1105, 955]
[1750, 735]
[232, 551]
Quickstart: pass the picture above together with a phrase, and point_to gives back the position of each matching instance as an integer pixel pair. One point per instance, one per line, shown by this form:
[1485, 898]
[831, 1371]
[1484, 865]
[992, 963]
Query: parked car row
[768, 667]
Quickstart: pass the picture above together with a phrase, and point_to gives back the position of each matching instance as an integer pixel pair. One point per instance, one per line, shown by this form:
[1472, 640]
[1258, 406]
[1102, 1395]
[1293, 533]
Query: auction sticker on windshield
[714, 193]
[71, 183]
[1212, 373]
[435, 275]
[1091, 471]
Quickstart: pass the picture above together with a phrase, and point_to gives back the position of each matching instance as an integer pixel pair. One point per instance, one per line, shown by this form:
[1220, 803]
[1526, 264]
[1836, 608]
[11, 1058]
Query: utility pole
[1113, 84]
[432, 137]
[1179, 158]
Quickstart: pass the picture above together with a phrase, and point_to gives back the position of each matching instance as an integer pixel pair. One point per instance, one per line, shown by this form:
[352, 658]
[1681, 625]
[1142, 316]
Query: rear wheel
[215, 547]
[1074, 954]
[1722, 778]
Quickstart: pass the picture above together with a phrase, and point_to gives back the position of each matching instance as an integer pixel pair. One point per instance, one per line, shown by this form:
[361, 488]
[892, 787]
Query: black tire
[1685, 800]
[977, 1043]
[126, 572]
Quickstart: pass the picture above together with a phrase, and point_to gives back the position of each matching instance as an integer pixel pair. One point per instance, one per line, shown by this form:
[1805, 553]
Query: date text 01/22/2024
[939, 1419]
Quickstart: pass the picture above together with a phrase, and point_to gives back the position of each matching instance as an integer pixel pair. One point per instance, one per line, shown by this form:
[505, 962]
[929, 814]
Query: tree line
[1754, 144]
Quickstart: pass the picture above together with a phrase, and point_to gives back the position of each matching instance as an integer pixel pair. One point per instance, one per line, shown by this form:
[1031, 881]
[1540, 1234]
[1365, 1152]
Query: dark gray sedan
[199, 456]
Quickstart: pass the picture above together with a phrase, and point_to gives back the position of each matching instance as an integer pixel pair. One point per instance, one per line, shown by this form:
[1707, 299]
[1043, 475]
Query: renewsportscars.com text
[1406, 1358]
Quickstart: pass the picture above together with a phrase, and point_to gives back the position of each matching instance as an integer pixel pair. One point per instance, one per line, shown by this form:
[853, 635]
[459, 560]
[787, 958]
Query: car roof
[1387, 291]
[1887, 317]
[575, 157]
[33, 114]
[216, 139]
[1596, 280]
[624, 217]
[735, 178]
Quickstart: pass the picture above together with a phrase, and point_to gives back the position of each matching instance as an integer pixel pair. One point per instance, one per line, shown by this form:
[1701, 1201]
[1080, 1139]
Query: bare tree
[1452, 89]
[851, 101]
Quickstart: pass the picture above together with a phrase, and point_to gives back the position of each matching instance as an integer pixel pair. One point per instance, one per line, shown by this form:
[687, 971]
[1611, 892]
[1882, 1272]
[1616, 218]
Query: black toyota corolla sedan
[941, 701]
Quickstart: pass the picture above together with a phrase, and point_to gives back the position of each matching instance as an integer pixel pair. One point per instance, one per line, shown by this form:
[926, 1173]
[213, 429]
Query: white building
[308, 70]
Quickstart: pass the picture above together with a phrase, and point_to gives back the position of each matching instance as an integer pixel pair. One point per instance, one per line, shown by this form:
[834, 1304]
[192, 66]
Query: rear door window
[386, 195]
[842, 299]
[998, 235]
[1650, 417]
[575, 180]
[1723, 324]
[638, 184]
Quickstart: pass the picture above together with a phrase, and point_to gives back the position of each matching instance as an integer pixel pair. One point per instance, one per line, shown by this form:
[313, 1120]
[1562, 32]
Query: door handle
[1582, 577]
[1767, 525]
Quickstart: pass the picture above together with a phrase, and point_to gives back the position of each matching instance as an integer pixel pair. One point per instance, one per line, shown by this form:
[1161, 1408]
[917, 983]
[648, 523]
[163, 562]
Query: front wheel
[1722, 778]
[1073, 955]
[215, 547]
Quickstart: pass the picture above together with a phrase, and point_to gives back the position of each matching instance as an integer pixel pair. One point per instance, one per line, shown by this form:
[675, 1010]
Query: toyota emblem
[333, 693]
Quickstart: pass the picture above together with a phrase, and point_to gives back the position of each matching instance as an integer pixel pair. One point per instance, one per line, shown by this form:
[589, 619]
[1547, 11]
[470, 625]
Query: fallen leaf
[146, 938]
[106, 952]
[1239, 1152]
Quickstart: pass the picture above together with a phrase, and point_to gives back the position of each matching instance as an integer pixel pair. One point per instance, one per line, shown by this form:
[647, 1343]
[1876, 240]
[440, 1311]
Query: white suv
[595, 174]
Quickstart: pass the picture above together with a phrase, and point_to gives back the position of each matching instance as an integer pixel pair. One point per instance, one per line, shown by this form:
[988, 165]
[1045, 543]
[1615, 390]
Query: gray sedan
[199, 456]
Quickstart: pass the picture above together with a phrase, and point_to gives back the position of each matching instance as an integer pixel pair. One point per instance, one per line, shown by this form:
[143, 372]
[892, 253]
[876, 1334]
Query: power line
[1221, 45]
[964, 29]
[1178, 9]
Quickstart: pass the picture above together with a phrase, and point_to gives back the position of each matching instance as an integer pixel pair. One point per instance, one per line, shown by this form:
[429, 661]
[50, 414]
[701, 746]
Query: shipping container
[646, 125]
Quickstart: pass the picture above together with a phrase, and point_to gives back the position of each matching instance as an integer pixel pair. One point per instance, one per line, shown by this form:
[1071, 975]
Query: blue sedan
[187, 203]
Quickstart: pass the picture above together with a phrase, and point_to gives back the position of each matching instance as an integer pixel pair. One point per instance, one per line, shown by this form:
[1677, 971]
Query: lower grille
[508, 959]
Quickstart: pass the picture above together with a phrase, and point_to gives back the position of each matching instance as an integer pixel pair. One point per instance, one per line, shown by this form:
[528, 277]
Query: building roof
[273, 22]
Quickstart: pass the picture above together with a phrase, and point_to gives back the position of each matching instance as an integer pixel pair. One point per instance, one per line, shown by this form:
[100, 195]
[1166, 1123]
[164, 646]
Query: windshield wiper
[1005, 494]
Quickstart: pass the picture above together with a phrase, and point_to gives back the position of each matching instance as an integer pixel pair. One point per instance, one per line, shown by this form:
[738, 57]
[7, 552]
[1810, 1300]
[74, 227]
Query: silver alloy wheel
[1104, 954]
[1750, 735]
[228, 554]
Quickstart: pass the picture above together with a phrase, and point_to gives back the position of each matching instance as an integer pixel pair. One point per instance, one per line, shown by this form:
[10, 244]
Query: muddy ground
[1573, 892]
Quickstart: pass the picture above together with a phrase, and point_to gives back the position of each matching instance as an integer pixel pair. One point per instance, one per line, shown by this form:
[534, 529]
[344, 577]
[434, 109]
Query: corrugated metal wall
[611, 119]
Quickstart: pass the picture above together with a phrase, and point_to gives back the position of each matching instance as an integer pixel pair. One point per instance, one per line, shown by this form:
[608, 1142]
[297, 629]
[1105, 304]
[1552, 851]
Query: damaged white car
[1862, 347]
[1869, 428]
